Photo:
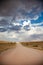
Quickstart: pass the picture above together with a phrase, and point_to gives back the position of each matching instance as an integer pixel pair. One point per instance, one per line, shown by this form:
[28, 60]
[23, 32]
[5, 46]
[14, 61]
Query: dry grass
[36, 45]
[6, 45]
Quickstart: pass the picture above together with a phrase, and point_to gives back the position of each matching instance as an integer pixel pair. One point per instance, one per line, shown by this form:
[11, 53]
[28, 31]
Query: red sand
[21, 56]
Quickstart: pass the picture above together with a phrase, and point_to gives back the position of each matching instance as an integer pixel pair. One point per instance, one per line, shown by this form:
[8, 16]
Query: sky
[21, 20]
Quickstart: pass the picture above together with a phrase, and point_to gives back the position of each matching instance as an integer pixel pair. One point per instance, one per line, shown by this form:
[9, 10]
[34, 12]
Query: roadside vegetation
[5, 45]
[36, 45]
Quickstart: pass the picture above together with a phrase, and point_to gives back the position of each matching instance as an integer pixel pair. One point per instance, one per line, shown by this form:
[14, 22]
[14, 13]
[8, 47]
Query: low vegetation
[36, 45]
[5, 45]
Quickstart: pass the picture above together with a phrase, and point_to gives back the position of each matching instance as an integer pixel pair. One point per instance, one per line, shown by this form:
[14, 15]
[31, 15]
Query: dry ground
[4, 45]
[22, 55]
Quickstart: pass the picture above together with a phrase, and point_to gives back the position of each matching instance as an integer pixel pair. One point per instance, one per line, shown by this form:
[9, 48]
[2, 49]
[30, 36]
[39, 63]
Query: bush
[35, 45]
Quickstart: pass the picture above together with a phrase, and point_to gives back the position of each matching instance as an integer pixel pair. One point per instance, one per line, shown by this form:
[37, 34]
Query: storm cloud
[21, 19]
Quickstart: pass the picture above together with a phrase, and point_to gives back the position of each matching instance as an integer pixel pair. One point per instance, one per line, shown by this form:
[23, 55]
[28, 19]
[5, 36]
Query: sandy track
[21, 56]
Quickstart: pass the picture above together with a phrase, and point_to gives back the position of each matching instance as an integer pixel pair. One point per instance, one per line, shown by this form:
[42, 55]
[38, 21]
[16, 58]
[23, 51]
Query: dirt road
[21, 56]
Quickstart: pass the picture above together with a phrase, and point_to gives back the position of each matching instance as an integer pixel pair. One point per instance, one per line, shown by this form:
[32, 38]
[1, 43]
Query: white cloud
[27, 9]
[37, 24]
[23, 35]
[8, 35]
[26, 23]
[35, 17]
[16, 23]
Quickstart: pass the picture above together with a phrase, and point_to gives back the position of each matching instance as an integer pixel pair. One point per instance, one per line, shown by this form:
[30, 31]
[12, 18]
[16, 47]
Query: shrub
[35, 45]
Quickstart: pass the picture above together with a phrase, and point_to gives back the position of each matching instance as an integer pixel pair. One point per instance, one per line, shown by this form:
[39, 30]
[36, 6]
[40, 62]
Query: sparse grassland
[6, 45]
[36, 45]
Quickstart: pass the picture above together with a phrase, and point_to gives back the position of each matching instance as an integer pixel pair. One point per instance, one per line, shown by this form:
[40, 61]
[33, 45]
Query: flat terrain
[21, 55]
[4, 45]
[36, 45]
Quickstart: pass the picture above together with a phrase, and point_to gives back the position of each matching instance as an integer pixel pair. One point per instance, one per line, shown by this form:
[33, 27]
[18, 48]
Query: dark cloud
[4, 22]
[30, 13]
[3, 29]
[3, 2]
[27, 27]
[15, 28]
[10, 7]
[37, 36]
[25, 8]
[10, 28]
[7, 22]
[34, 37]
[20, 11]
[40, 1]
